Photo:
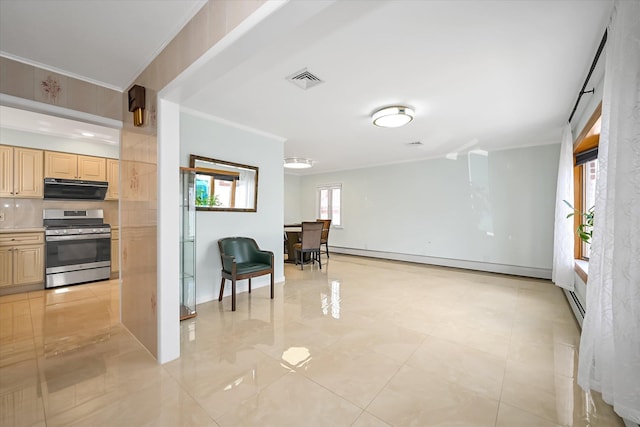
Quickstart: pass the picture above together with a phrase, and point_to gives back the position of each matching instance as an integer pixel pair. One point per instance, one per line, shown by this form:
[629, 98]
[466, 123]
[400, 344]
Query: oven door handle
[78, 237]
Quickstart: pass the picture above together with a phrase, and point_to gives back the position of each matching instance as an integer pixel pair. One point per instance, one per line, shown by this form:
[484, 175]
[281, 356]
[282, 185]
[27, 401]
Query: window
[585, 176]
[589, 173]
[330, 203]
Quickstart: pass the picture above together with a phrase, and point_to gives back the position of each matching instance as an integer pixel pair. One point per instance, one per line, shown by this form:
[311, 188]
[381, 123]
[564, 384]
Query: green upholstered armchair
[242, 259]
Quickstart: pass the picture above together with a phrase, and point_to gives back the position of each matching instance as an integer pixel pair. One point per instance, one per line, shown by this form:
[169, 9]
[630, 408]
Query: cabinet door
[113, 177]
[28, 180]
[6, 266]
[28, 264]
[60, 165]
[92, 168]
[6, 171]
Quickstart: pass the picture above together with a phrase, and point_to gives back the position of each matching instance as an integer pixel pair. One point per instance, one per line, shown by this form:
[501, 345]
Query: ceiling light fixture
[297, 163]
[392, 117]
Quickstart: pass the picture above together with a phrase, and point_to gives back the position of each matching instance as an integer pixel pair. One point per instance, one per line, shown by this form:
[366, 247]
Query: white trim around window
[329, 203]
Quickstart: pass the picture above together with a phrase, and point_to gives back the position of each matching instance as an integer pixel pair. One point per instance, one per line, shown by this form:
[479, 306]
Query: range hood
[74, 189]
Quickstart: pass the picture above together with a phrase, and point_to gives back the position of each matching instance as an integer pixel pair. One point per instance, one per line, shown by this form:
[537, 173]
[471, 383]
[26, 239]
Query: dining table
[292, 235]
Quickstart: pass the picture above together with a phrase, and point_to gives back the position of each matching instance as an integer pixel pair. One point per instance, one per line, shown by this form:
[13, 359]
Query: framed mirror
[224, 186]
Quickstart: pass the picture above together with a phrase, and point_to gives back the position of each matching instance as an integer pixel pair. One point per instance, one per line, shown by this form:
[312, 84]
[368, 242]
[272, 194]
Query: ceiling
[481, 75]
[107, 42]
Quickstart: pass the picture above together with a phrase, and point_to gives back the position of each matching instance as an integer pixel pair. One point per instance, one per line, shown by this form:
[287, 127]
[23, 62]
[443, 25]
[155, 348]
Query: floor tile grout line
[364, 411]
[424, 337]
[330, 391]
[186, 391]
[39, 366]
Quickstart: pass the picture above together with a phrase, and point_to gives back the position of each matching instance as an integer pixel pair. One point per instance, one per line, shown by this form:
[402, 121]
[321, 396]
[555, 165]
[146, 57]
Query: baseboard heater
[576, 306]
[577, 302]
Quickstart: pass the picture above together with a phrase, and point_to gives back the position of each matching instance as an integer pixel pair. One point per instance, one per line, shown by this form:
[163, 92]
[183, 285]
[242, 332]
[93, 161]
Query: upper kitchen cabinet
[74, 166]
[6, 173]
[113, 174]
[21, 172]
[92, 168]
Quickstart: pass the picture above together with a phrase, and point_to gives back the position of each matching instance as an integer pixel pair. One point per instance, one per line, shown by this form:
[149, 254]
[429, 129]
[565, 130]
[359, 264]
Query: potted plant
[585, 229]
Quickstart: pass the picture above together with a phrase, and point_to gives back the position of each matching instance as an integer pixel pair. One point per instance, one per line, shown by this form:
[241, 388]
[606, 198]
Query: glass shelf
[187, 244]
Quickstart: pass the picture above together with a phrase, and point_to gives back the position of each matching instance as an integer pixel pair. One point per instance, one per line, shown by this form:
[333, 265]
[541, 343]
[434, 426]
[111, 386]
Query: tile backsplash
[27, 213]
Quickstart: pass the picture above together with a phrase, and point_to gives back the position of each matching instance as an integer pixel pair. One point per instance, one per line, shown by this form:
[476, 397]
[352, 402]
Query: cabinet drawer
[15, 239]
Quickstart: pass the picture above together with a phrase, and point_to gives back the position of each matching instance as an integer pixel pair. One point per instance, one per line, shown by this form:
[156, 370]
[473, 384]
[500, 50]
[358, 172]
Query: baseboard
[241, 286]
[18, 289]
[204, 298]
[539, 273]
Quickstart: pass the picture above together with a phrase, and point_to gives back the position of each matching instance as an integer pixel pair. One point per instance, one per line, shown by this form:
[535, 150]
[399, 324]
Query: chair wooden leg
[271, 285]
[326, 245]
[319, 259]
[233, 295]
[249, 284]
[221, 289]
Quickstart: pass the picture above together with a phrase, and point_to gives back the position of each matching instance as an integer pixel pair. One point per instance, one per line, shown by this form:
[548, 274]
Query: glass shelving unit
[187, 243]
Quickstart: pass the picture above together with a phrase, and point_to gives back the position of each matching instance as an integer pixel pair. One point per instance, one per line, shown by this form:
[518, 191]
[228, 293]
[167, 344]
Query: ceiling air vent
[304, 79]
[415, 144]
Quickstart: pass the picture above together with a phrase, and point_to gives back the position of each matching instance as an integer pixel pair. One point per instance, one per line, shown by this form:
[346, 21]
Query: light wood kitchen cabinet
[20, 172]
[74, 166]
[115, 251]
[92, 168]
[6, 267]
[113, 178]
[21, 259]
[6, 171]
[60, 165]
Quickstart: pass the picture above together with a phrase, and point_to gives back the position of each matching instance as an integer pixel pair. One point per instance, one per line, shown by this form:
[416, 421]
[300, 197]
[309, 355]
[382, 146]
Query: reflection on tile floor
[361, 343]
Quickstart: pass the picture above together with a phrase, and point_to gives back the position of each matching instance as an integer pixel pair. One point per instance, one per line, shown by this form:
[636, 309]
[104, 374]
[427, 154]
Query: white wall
[292, 202]
[492, 212]
[206, 137]
[56, 143]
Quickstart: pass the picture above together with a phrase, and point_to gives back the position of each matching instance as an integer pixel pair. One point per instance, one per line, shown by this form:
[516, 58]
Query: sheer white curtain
[246, 189]
[610, 343]
[562, 273]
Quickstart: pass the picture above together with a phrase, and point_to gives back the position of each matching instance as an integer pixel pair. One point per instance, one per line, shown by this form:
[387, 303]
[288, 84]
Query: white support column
[168, 231]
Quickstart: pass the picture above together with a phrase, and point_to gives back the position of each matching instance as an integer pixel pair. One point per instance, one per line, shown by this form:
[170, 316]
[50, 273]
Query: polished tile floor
[361, 343]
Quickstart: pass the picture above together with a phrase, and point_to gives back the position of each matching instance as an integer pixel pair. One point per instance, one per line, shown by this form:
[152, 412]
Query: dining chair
[309, 243]
[324, 240]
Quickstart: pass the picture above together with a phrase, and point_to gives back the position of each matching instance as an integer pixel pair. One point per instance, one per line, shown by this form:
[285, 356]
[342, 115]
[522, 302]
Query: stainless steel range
[78, 246]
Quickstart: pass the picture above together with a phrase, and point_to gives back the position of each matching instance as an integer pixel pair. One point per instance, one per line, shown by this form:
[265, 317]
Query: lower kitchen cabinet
[21, 261]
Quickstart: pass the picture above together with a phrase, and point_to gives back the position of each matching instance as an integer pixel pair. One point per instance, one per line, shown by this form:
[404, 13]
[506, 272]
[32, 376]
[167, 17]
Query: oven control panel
[72, 231]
